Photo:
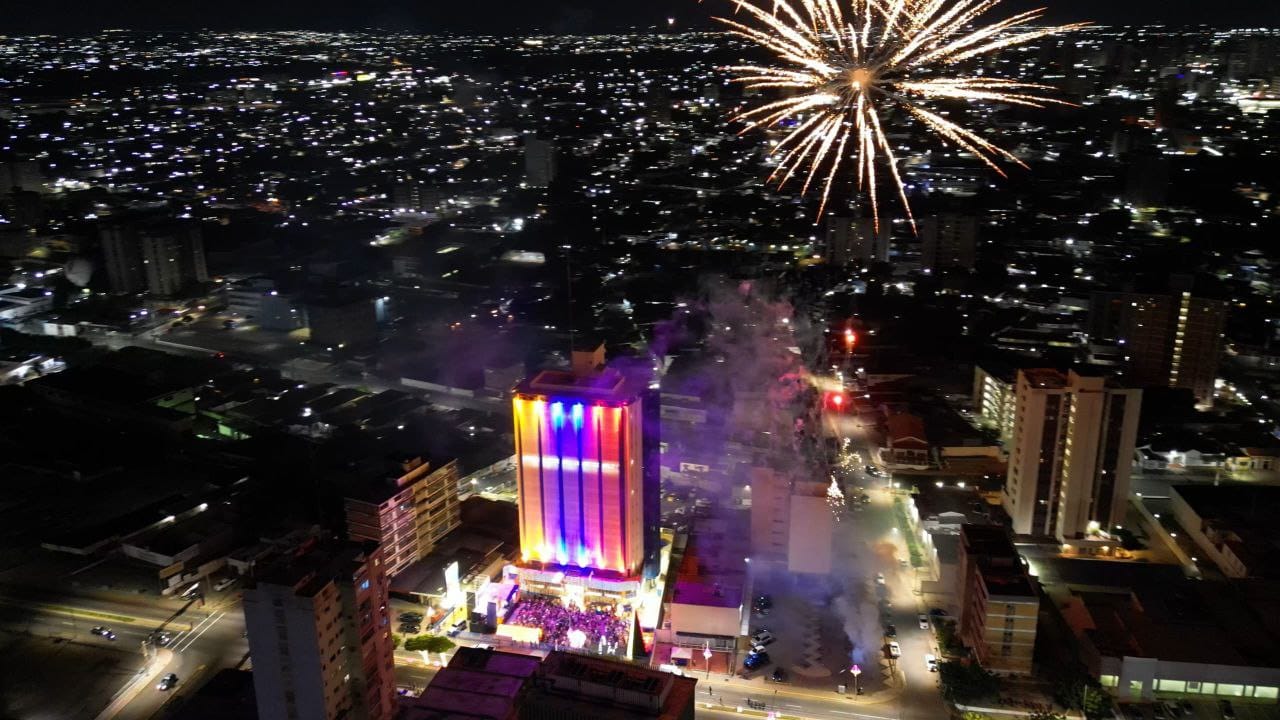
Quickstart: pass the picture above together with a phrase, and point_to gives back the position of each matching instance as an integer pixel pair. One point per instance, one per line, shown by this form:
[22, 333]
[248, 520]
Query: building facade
[407, 515]
[260, 301]
[539, 162]
[999, 605]
[949, 240]
[580, 473]
[343, 320]
[1071, 454]
[857, 241]
[161, 258]
[320, 635]
[994, 396]
[1173, 340]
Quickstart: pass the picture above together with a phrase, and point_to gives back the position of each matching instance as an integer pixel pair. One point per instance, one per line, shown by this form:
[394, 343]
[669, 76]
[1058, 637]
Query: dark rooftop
[313, 566]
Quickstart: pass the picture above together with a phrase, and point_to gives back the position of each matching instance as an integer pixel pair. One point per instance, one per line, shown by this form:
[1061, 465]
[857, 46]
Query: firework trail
[842, 63]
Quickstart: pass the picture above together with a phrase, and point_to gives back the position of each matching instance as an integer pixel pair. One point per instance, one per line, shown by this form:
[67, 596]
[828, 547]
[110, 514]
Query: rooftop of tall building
[998, 561]
[314, 564]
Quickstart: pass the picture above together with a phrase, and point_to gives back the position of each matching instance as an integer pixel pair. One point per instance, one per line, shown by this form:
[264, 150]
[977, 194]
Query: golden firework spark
[844, 62]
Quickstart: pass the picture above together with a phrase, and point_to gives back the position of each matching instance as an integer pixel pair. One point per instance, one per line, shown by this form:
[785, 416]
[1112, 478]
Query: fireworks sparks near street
[844, 63]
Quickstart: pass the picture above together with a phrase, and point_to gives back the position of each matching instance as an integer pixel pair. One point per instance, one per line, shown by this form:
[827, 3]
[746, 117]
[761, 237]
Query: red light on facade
[850, 337]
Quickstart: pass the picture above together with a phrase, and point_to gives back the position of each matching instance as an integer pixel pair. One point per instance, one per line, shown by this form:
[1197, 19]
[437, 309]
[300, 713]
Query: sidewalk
[140, 682]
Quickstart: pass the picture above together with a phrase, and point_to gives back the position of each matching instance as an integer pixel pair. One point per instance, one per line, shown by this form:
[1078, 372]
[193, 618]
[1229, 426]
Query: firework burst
[842, 63]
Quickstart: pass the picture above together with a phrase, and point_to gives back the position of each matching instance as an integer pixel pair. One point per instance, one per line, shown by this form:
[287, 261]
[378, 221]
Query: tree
[396, 639]
[1046, 715]
[948, 640]
[971, 715]
[429, 643]
[966, 681]
[1076, 690]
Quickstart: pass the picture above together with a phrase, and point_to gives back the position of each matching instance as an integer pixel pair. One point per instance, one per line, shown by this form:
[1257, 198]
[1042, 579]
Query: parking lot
[812, 646]
[51, 677]
[1198, 709]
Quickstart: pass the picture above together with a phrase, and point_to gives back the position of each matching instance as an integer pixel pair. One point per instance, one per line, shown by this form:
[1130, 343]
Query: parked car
[224, 583]
[879, 578]
[931, 662]
[762, 638]
[410, 617]
[923, 620]
[890, 631]
[756, 704]
[779, 675]
[1158, 710]
[104, 632]
[1173, 709]
[895, 650]
[410, 629]
[1228, 712]
[167, 682]
[1187, 707]
[756, 660]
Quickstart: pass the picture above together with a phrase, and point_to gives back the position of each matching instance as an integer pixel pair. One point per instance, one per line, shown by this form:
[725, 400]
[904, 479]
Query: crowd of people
[561, 625]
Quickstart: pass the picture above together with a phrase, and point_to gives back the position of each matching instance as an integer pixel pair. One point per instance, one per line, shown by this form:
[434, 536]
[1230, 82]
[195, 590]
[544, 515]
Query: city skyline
[355, 374]
[554, 16]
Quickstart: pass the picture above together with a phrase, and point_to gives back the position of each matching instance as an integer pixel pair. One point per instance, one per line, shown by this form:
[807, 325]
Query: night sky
[515, 16]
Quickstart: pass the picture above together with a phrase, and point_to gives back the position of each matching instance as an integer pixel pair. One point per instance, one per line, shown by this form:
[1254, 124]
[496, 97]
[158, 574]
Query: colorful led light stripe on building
[573, 483]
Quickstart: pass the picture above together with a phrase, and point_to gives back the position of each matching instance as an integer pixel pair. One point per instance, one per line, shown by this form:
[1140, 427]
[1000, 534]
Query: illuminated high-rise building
[1171, 340]
[580, 469]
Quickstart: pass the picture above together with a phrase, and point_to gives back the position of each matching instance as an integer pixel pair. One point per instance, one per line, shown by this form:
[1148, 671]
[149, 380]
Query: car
[931, 662]
[104, 632]
[224, 583]
[409, 617]
[1133, 712]
[1186, 707]
[756, 704]
[779, 675]
[902, 562]
[890, 631]
[1159, 712]
[872, 470]
[161, 638]
[937, 612]
[1228, 712]
[764, 601]
[923, 620]
[167, 682]
[879, 578]
[762, 638]
[408, 629]
[895, 650]
[756, 660]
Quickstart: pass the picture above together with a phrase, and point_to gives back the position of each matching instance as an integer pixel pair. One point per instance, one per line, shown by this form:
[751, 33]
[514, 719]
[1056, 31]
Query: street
[870, 535]
[204, 640]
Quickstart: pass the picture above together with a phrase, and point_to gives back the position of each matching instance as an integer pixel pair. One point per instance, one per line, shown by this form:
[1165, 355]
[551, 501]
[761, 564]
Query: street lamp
[706, 655]
[855, 671]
